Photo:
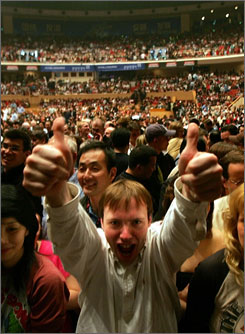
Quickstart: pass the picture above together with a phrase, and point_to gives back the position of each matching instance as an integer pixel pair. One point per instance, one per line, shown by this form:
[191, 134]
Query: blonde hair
[121, 192]
[141, 140]
[234, 251]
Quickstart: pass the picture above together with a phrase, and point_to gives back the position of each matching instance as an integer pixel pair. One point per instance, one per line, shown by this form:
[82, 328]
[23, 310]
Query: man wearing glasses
[233, 175]
[15, 148]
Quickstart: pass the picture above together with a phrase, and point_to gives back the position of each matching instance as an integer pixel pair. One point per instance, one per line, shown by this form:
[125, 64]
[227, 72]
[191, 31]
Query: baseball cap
[155, 130]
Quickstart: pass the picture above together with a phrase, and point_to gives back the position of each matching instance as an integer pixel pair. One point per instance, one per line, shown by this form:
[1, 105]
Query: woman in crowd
[215, 302]
[34, 293]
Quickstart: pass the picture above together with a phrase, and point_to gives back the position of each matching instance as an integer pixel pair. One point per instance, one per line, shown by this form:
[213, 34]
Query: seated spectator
[120, 143]
[34, 293]
[215, 302]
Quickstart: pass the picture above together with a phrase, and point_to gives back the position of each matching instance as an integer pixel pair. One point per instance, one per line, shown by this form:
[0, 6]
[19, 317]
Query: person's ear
[149, 220]
[225, 183]
[26, 233]
[113, 173]
[102, 223]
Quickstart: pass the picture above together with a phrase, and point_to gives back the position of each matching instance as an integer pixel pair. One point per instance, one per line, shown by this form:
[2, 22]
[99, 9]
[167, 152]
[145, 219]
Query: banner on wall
[67, 68]
[31, 68]
[92, 68]
[120, 67]
[172, 64]
[12, 68]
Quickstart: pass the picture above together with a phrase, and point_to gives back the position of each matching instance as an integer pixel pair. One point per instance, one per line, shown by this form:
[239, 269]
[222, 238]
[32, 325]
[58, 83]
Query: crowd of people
[202, 83]
[107, 233]
[214, 96]
[123, 48]
[114, 220]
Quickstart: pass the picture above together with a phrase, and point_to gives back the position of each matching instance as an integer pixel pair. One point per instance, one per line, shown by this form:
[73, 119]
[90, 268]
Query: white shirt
[141, 297]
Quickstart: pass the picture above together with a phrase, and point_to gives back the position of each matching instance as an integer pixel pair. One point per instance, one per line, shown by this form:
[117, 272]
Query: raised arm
[48, 168]
[185, 222]
[200, 172]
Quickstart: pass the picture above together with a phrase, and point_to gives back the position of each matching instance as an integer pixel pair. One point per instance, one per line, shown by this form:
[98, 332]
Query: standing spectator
[39, 137]
[48, 128]
[135, 132]
[141, 165]
[215, 302]
[96, 171]
[120, 142]
[157, 137]
[174, 143]
[34, 293]
[97, 126]
[233, 173]
[127, 251]
[16, 147]
[83, 132]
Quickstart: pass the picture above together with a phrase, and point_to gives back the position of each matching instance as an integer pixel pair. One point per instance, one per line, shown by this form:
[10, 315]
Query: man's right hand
[48, 168]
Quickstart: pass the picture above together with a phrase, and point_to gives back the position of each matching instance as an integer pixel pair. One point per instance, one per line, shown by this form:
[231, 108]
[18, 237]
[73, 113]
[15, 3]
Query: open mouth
[125, 250]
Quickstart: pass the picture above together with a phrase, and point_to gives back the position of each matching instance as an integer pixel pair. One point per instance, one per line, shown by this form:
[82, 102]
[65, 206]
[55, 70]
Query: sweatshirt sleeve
[183, 227]
[74, 236]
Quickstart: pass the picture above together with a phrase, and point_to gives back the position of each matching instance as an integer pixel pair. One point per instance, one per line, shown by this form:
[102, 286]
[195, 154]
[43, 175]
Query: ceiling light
[203, 18]
[227, 15]
[236, 7]
[212, 10]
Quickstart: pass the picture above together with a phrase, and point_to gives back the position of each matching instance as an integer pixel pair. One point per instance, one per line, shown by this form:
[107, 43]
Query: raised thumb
[58, 141]
[58, 130]
[191, 147]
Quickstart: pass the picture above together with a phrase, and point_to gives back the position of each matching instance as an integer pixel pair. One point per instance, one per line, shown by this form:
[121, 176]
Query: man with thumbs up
[127, 270]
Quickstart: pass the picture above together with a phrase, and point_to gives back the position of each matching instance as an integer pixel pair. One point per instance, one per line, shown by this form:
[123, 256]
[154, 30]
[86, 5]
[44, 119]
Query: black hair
[230, 128]
[120, 137]
[201, 144]
[110, 156]
[214, 137]
[141, 155]
[16, 202]
[39, 134]
[195, 120]
[19, 134]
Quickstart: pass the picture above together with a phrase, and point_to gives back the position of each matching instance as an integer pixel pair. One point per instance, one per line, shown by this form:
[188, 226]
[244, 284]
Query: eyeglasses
[12, 148]
[237, 183]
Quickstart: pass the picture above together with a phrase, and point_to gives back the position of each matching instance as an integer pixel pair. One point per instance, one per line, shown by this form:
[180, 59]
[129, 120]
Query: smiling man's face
[126, 230]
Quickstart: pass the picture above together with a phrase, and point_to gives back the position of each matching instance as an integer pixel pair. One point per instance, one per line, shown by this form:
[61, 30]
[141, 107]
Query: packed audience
[206, 85]
[123, 48]
[153, 164]
[146, 214]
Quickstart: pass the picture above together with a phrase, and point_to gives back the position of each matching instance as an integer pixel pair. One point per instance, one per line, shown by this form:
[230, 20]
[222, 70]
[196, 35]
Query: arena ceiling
[98, 5]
